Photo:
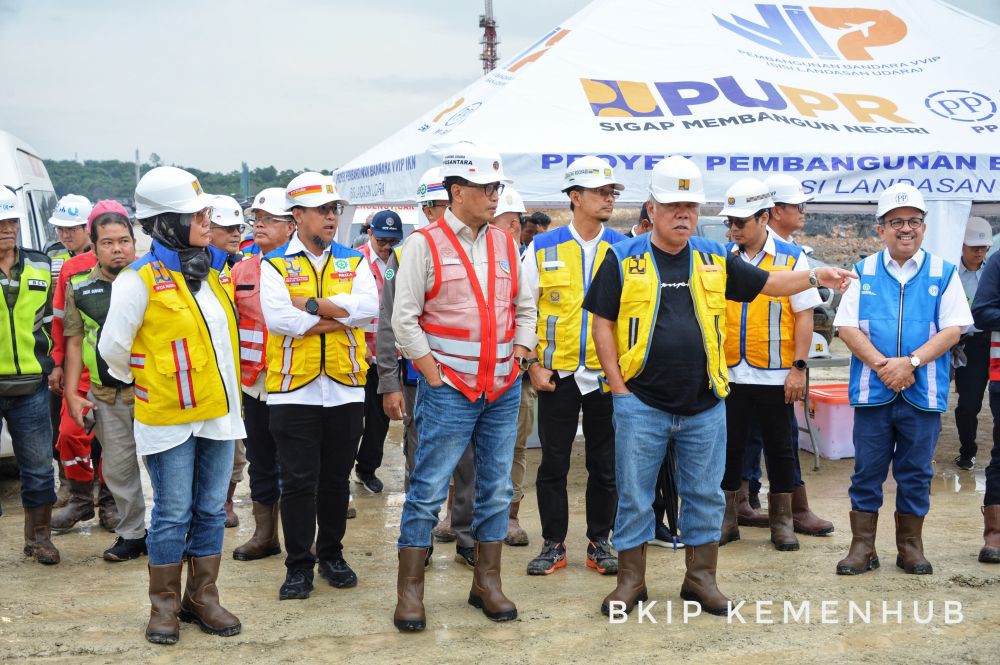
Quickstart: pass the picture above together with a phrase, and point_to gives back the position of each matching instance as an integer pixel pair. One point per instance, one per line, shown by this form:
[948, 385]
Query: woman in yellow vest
[171, 328]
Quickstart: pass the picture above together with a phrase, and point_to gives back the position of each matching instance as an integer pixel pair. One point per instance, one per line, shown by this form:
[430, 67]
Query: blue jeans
[446, 423]
[751, 457]
[642, 435]
[189, 489]
[904, 436]
[30, 432]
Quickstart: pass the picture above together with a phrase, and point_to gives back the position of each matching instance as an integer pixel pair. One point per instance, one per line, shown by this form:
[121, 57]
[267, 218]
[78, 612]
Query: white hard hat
[270, 200]
[786, 189]
[431, 186]
[10, 206]
[169, 189]
[745, 197]
[72, 210]
[311, 190]
[510, 201]
[676, 179]
[978, 233]
[226, 211]
[819, 348]
[475, 163]
[900, 195]
[590, 172]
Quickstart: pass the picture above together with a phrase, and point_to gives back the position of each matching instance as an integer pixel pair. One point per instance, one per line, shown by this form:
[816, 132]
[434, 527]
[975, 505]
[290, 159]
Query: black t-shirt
[675, 378]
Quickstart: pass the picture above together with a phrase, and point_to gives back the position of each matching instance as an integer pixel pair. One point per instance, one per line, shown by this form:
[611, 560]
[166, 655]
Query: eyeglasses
[606, 192]
[335, 207]
[267, 219]
[801, 207]
[434, 204]
[205, 214]
[738, 222]
[392, 242]
[239, 228]
[489, 189]
[898, 222]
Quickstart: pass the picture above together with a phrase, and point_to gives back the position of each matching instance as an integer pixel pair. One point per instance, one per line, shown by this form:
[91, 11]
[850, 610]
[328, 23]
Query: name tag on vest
[164, 286]
[296, 279]
[224, 280]
[710, 268]
[553, 265]
[343, 276]
[451, 261]
[37, 285]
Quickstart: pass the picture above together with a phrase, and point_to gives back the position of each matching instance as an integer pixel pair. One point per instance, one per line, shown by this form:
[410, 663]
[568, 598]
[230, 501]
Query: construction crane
[490, 42]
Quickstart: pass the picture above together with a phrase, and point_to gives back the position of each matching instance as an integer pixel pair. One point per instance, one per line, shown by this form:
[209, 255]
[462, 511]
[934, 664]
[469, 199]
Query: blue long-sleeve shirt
[986, 305]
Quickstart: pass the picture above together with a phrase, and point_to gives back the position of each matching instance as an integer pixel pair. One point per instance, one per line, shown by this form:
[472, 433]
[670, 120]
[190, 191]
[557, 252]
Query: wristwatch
[800, 364]
[914, 361]
[524, 363]
[813, 280]
[312, 307]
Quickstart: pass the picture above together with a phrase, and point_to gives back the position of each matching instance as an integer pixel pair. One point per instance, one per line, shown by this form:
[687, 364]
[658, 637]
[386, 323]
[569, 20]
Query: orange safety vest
[253, 332]
[372, 327]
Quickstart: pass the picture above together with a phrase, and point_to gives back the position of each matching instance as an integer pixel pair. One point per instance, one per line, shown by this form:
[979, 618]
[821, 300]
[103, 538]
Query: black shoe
[126, 550]
[369, 481]
[663, 537]
[753, 498]
[338, 573]
[965, 463]
[298, 585]
[601, 558]
[428, 558]
[466, 555]
[550, 559]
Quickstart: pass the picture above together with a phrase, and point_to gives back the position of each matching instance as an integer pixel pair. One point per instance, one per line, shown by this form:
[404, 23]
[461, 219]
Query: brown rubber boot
[910, 546]
[107, 510]
[779, 513]
[264, 541]
[79, 508]
[201, 599]
[730, 528]
[745, 513]
[699, 581]
[165, 603]
[487, 592]
[232, 519]
[62, 494]
[805, 521]
[409, 615]
[991, 535]
[37, 542]
[862, 556]
[443, 533]
[631, 580]
[516, 536]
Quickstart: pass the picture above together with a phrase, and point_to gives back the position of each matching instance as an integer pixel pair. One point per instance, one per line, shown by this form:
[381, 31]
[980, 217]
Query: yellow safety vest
[565, 329]
[762, 331]
[177, 375]
[340, 355]
[640, 303]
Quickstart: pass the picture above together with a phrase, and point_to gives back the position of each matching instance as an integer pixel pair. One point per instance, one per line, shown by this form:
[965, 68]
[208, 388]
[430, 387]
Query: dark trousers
[993, 470]
[261, 452]
[755, 446]
[316, 449]
[970, 383]
[376, 427]
[765, 406]
[558, 417]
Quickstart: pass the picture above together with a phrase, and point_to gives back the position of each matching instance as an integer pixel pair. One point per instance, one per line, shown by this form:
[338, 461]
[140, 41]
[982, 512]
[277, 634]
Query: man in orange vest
[272, 228]
[466, 321]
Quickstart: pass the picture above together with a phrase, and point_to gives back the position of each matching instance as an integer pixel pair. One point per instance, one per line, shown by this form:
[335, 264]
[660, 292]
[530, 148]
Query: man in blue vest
[899, 319]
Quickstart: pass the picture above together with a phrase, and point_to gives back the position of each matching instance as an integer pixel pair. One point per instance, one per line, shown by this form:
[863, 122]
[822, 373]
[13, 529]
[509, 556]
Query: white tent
[850, 97]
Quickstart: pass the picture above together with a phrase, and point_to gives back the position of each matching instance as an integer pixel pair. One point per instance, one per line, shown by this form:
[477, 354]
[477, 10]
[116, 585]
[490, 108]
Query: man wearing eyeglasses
[384, 233]
[317, 295]
[899, 319]
[559, 266]
[465, 318]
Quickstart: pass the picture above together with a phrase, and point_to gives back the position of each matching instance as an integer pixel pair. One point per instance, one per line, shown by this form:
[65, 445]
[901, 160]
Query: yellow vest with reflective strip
[640, 303]
[177, 375]
[340, 355]
[762, 331]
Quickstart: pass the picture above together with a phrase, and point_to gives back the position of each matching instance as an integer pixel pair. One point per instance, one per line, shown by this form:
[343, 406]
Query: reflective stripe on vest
[564, 328]
[25, 344]
[640, 304]
[471, 329]
[995, 356]
[372, 327]
[898, 319]
[252, 332]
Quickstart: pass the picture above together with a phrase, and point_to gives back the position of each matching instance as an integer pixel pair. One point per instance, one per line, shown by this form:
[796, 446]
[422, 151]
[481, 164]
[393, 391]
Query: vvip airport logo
[537, 50]
[828, 33]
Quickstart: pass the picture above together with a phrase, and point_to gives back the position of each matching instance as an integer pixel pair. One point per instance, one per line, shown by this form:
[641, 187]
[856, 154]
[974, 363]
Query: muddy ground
[88, 611]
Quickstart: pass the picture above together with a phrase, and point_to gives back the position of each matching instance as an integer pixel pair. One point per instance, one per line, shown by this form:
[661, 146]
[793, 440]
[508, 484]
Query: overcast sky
[294, 84]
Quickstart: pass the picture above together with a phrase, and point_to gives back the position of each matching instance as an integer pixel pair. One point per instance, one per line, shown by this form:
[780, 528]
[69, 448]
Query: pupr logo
[798, 32]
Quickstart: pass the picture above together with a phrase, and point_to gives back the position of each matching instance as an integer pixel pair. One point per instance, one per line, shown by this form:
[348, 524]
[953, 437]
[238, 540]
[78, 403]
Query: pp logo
[902, 197]
[933, 290]
[961, 105]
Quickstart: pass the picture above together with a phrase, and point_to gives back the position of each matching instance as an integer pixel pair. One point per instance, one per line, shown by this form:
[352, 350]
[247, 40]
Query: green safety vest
[24, 338]
[58, 255]
[92, 297]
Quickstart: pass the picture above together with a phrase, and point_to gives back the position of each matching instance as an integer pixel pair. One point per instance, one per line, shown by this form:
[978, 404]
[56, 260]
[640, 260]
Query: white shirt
[808, 299]
[129, 299]
[282, 318]
[954, 309]
[586, 379]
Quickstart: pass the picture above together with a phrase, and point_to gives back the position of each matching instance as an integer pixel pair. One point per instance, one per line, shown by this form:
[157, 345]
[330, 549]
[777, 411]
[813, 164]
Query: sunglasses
[239, 228]
[737, 222]
[801, 207]
[327, 208]
[489, 189]
[392, 242]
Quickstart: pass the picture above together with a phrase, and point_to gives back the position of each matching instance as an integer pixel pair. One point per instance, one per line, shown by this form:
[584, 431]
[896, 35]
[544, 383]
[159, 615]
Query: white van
[22, 171]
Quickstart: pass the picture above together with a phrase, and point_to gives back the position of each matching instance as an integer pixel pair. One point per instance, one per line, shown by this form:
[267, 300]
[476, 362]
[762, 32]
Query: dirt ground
[88, 611]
